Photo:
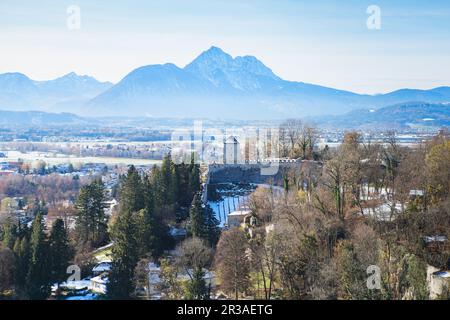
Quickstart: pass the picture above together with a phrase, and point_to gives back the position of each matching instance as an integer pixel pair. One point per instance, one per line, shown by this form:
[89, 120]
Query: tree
[296, 256]
[196, 288]
[153, 230]
[413, 278]
[193, 256]
[202, 222]
[343, 176]
[393, 156]
[194, 177]
[125, 255]
[299, 136]
[38, 274]
[91, 223]
[438, 169]
[232, 263]
[60, 251]
[197, 226]
[169, 285]
[153, 234]
[334, 181]
[351, 274]
[9, 233]
[265, 254]
[141, 275]
[7, 269]
[22, 252]
[212, 226]
[131, 192]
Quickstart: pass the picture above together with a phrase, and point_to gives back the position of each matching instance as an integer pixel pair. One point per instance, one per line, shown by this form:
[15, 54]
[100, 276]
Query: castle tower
[231, 151]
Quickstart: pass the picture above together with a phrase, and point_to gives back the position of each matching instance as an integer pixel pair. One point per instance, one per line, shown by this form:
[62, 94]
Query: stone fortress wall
[257, 173]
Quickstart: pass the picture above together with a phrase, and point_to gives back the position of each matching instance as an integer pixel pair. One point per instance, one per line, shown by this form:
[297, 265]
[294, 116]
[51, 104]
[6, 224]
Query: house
[71, 285]
[236, 218]
[110, 205]
[102, 267]
[416, 193]
[438, 281]
[436, 243]
[384, 212]
[178, 233]
[99, 283]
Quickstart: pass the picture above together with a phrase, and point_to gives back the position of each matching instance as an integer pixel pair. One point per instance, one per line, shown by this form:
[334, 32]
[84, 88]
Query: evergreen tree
[158, 190]
[22, 252]
[153, 235]
[9, 234]
[212, 226]
[99, 219]
[202, 222]
[196, 288]
[154, 232]
[131, 192]
[175, 190]
[197, 226]
[125, 255]
[60, 251]
[194, 177]
[185, 196]
[166, 180]
[147, 236]
[6, 269]
[37, 279]
[91, 223]
[149, 197]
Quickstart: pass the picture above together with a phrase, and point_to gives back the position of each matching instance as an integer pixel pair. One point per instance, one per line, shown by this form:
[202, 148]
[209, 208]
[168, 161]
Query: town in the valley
[281, 212]
[224, 158]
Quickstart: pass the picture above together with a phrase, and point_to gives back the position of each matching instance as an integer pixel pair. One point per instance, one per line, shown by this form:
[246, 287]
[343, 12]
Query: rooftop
[442, 274]
[239, 213]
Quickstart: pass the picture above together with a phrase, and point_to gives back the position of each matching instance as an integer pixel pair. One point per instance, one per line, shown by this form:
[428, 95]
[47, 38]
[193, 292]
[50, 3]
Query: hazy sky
[321, 42]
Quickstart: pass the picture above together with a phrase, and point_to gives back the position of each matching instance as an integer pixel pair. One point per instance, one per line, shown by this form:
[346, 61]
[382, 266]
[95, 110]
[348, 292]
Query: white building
[99, 284]
[104, 266]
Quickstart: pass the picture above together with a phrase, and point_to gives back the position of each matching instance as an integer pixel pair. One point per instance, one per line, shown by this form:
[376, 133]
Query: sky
[320, 42]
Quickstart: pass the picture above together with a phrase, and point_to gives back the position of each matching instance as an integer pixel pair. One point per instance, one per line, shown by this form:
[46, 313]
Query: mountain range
[411, 115]
[214, 85]
[20, 93]
[12, 119]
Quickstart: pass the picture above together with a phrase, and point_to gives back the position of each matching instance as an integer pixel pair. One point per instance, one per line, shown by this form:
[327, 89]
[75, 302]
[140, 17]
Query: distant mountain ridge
[38, 119]
[18, 92]
[221, 70]
[412, 115]
[214, 85]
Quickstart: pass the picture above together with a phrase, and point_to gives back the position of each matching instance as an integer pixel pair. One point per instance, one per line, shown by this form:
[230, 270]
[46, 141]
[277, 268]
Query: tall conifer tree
[38, 274]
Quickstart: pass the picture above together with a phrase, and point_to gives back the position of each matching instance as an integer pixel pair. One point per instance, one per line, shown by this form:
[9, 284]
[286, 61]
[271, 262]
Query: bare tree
[193, 253]
[299, 137]
[232, 263]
